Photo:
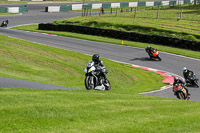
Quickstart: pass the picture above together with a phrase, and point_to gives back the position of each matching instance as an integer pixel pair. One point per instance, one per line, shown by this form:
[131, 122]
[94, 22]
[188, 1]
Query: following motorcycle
[180, 92]
[192, 80]
[154, 54]
[94, 80]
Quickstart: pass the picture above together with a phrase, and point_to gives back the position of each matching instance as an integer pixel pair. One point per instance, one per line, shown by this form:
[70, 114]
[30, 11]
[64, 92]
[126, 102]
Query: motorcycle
[192, 80]
[94, 80]
[154, 54]
[180, 91]
[4, 24]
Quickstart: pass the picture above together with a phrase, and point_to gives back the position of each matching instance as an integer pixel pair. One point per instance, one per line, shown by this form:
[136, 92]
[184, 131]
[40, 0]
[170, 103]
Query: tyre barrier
[14, 9]
[122, 35]
[116, 5]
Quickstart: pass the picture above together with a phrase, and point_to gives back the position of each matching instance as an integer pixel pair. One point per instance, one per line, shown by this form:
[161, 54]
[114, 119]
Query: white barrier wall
[96, 6]
[77, 7]
[133, 4]
[53, 8]
[115, 5]
[150, 3]
[13, 9]
[165, 3]
[179, 2]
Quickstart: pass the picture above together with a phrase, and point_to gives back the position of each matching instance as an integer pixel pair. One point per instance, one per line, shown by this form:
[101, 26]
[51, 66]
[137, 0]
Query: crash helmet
[175, 79]
[184, 69]
[95, 57]
[148, 47]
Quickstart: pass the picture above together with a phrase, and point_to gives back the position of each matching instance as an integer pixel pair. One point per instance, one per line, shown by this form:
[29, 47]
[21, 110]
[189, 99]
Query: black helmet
[175, 79]
[95, 57]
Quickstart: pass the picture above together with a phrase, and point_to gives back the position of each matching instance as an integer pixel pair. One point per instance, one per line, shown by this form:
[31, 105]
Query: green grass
[29, 61]
[2, 13]
[184, 52]
[41, 111]
[121, 109]
[146, 22]
[118, 110]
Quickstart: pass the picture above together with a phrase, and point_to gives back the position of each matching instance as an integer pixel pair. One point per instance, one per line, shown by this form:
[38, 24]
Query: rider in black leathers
[149, 50]
[186, 73]
[182, 82]
[98, 64]
[4, 23]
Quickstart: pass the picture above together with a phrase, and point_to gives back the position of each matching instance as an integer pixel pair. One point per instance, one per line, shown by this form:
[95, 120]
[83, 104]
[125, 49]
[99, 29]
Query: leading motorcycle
[192, 80]
[154, 54]
[180, 92]
[4, 23]
[94, 80]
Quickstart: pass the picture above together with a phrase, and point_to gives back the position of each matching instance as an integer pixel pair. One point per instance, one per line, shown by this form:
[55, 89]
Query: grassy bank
[2, 13]
[42, 111]
[29, 61]
[146, 21]
[184, 52]
[118, 110]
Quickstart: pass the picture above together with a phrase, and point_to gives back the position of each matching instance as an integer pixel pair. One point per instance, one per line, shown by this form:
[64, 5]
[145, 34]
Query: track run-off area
[171, 64]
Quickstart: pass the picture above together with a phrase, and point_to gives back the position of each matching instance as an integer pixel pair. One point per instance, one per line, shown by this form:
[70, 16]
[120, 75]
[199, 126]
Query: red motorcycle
[180, 91]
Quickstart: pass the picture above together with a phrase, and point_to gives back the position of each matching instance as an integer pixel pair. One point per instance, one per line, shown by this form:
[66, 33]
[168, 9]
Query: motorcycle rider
[98, 64]
[178, 80]
[149, 50]
[186, 73]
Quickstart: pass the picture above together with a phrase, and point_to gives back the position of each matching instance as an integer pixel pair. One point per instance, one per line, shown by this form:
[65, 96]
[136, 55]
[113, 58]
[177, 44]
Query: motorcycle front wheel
[88, 84]
[196, 84]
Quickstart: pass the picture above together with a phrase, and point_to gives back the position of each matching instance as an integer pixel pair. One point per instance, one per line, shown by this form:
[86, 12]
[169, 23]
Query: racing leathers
[182, 82]
[149, 50]
[186, 74]
[100, 67]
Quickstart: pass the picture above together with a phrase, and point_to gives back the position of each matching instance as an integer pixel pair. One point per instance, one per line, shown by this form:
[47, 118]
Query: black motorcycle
[192, 80]
[94, 80]
[4, 23]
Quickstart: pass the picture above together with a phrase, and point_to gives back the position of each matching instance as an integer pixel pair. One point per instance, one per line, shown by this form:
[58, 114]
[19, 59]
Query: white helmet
[184, 69]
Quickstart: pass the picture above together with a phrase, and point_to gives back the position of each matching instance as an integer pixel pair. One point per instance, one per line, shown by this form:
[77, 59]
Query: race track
[130, 55]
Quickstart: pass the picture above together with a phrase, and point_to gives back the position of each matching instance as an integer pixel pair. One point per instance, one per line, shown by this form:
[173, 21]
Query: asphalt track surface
[130, 55]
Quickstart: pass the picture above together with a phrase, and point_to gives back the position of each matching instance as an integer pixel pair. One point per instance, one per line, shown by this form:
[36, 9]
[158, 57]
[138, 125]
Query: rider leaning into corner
[98, 64]
[180, 81]
[186, 73]
[149, 50]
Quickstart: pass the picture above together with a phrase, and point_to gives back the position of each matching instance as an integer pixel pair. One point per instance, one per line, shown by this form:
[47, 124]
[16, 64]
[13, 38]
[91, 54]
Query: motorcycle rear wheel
[159, 58]
[108, 87]
[181, 95]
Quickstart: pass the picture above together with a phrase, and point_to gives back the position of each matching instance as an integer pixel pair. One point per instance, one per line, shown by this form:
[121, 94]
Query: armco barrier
[131, 36]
